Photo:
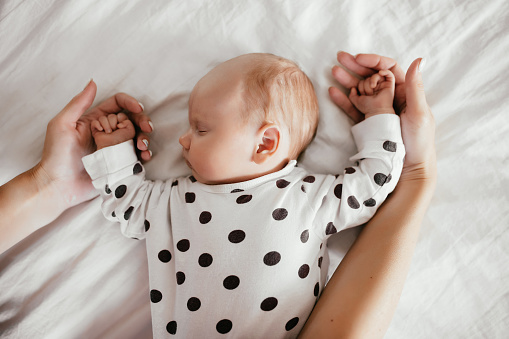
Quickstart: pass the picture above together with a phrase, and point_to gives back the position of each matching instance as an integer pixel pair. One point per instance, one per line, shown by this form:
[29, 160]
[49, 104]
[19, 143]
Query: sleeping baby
[236, 248]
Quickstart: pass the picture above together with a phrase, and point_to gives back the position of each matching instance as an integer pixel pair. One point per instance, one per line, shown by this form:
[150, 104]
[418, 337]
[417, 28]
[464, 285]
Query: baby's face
[219, 144]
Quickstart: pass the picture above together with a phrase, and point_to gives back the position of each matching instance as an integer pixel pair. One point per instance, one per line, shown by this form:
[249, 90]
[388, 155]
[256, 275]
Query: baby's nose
[184, 140]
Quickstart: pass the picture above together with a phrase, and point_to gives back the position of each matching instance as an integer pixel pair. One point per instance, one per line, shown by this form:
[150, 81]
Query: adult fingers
[79, 104]
[142, 142]
[344, 78]
[146, 155]
[414, 90]
[342, 101]
[119, 102]
[350, 62]
[378, 62]
[142, 121]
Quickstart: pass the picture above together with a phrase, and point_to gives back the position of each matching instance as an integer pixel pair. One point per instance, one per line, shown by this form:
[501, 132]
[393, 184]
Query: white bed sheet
[79, 278]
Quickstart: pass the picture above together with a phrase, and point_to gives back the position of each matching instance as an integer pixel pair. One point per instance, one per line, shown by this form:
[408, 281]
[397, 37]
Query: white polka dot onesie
[245, 259]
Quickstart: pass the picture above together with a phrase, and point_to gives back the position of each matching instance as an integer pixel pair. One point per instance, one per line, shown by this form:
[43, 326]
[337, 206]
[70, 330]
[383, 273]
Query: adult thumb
[79, 104]
[415, 97]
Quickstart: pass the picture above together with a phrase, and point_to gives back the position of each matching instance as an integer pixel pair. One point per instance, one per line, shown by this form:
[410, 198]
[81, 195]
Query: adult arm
[360, 299]
[38, 196]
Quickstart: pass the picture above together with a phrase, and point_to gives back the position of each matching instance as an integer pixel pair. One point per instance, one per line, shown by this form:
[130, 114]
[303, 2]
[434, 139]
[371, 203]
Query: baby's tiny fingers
[112, 119]
[105, 124]
[121, 117]
[374, 80]
[96, 125]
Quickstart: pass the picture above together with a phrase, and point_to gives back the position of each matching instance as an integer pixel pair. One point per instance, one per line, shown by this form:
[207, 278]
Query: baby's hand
[111, 130]
[374, 95]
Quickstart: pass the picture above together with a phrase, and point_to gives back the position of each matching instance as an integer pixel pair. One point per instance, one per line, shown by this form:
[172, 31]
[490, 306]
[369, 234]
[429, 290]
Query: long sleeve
[120, 178]
[352, 198]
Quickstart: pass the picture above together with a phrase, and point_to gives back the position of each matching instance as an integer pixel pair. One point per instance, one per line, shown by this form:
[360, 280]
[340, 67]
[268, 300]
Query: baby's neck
[252, 176]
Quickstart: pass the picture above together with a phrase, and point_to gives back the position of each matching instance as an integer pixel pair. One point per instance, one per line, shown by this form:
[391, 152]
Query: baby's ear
[268, 138]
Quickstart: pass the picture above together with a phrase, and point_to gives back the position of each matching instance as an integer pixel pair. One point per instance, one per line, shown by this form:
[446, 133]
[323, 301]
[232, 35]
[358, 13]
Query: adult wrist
[44, 188]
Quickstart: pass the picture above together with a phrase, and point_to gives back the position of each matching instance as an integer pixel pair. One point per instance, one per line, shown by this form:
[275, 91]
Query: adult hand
[370, 278]
[69, 138]
[417, 122]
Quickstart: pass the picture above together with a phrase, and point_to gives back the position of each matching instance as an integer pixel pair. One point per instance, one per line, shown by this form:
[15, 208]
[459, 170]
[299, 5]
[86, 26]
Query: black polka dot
[236, 236]
[193, 304]
[192, 178]
[282, 183]
[231, 282]
[303, 188]
[172, 327]
[303, 271]
[268, 304]
[190, 197]
[205, 260]
[316, 292]
[349, 170]
[181, 277]
[338, 190]
[147, 225]
[237, 190]
[137, 168]
[390, 146]
[205, 217]
[120, 191]
[113, 214]
[272, 258]
[183, 245]
[330, 229]
[304, 236]
[370, 202]
[382, 179]
[128, 213]
[291, 323]
[155, 296]
[352, 202]
[244, 199]
[164, 256]
[320, 260]
[107, 189]
[279, 213]
[175, 183]
[224, 326]
[310, 179]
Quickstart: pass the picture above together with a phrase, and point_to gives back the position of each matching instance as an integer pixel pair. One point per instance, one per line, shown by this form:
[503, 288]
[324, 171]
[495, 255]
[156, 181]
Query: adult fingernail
[151, 125]
[422, 64]
[141, 105]
[150, 152]
[145, 141]
[88, 83]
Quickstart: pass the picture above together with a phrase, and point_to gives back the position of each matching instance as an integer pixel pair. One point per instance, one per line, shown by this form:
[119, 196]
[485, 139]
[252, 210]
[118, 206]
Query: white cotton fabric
[244, 259]
[80, 278]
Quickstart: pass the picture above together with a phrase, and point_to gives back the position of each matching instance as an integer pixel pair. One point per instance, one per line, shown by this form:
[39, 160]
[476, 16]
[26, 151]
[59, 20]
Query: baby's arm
[112, 130]
[375, 95]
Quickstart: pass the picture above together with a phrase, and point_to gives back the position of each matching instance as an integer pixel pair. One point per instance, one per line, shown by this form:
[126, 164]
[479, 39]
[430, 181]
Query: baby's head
[248, 117]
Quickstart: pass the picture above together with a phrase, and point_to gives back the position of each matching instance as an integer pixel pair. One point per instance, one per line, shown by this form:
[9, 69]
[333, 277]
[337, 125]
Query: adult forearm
[360, 299]
[27, 203]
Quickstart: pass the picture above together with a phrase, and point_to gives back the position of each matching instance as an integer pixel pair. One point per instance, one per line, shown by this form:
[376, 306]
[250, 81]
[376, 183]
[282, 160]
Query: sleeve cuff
[380, 127]
[110, 159]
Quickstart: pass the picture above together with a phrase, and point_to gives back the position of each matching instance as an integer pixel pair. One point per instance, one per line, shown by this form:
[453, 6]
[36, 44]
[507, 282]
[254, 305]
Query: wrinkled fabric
[78, 277]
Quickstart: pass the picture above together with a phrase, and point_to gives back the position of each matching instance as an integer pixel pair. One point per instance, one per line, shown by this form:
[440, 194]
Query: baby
[237, 247]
